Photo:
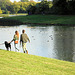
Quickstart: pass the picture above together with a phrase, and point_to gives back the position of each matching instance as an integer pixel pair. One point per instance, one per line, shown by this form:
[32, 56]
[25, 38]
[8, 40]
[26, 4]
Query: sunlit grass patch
[13, 63]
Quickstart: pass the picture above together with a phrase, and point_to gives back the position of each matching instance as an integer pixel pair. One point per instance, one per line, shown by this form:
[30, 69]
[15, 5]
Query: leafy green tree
[43, 7]
[0, 11]
[16, 7]
[4, 3]
[60, 7]
[23, 7]
[71, 7]
[32, 3]
[54, 1]
[40, 8]
[7, 11]
[24, 0]
[31, 7]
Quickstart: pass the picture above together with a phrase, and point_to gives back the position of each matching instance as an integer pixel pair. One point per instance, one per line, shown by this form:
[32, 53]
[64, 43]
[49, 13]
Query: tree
[60, 7]
[40, 8]
[0, 11]
[31, 7]
[71, 7]
[4, 3]
[43, 7]
[23, 7]
[54, 1]
[16, 7]
[24, 0]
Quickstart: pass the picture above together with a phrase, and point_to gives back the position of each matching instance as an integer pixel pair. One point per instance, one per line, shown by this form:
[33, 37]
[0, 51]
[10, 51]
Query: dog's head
[6, 42]
[7, 45]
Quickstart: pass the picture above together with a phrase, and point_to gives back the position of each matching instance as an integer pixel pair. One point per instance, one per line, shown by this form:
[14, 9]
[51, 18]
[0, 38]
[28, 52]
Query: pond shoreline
[51, 24]
[16, 23]
[7, 22]
[51, 20]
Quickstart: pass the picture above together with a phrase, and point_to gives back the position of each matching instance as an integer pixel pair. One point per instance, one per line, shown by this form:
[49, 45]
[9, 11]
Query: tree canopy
[0, 11]
[61, 7]
[24, 0]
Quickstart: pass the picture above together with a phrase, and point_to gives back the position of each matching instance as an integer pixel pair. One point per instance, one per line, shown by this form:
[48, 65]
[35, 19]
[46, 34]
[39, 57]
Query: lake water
[56, 42]
[1, 17]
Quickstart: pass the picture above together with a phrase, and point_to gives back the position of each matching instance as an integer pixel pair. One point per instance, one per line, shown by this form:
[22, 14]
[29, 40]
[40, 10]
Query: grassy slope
[51, 19]
[13, 63]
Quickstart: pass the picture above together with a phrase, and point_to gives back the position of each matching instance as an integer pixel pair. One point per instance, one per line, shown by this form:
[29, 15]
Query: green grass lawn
[50, 19]
[14, 63]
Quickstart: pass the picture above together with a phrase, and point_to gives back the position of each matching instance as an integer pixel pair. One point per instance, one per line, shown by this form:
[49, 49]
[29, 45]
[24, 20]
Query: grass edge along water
[14, 63]
[39, 19]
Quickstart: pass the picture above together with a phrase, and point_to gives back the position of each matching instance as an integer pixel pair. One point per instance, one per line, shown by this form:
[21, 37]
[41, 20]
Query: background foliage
[61, 7]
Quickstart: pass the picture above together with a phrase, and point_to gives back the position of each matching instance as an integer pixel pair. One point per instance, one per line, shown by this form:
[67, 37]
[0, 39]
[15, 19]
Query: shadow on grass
[6, 22]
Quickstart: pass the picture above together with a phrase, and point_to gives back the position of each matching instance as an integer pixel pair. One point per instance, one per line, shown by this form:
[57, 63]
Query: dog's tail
[2, 44]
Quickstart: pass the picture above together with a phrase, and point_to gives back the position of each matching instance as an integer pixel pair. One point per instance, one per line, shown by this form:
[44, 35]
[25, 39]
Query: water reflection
[47, 41]
[1, 17]
[64, 43]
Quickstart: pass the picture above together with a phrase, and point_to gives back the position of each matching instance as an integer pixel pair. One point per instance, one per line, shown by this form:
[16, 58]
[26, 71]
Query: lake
[1, 17]
[56, 42]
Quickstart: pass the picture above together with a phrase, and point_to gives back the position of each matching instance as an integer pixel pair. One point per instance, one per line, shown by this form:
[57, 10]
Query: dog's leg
[10, 47]
[7, 49]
